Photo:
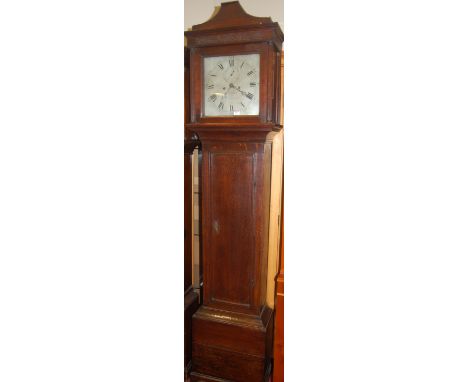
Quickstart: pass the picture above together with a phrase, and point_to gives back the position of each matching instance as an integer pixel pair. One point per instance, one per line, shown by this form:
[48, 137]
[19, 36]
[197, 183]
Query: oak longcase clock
[234, 113]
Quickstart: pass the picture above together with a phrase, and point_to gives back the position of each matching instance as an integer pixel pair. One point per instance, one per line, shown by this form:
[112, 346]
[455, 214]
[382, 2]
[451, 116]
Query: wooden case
[232, 331]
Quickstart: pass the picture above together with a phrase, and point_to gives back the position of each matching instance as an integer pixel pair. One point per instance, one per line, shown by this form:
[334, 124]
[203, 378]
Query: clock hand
[238, 89]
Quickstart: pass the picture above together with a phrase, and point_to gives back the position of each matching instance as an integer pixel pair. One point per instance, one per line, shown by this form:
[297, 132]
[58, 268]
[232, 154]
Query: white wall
[199, 11]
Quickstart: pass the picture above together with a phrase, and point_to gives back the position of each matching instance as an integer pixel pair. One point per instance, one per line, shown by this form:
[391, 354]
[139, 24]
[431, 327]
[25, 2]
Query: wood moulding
[236, 133]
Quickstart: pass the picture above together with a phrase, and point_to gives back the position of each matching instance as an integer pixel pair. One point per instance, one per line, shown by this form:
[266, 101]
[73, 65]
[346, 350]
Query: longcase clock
[234, 112]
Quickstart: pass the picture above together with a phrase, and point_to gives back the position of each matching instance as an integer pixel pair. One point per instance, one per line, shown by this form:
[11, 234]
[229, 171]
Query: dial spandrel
[231, 85]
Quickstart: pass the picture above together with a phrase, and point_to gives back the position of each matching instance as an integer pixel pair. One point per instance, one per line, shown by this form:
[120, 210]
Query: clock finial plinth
[233, 25]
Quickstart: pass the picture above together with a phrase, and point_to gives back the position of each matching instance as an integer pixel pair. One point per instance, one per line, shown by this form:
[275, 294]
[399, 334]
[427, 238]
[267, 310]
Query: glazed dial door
[231, 85]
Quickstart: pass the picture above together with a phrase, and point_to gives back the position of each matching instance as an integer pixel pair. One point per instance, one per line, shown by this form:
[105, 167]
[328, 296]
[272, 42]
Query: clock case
[232, 331]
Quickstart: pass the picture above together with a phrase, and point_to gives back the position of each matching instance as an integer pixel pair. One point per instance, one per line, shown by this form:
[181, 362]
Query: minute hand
[238, 89]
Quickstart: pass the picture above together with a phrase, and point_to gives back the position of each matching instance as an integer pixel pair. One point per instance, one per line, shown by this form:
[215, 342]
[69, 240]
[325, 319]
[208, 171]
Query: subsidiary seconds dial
[231, 85]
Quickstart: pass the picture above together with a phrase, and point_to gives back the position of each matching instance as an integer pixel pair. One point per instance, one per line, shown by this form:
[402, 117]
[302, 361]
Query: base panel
[235, 350]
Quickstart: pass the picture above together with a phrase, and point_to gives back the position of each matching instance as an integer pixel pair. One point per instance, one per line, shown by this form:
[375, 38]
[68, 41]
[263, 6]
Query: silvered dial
[231, 85]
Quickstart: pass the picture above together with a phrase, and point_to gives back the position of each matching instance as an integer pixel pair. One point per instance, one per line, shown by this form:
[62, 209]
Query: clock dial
[231, 85]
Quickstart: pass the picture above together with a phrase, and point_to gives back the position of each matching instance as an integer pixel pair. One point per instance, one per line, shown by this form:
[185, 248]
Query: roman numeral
[242, 105]
[221, 66]
[211, 86]
[249, 95]
[212, 97]
[220, 106]
[231, 61]
[213, 75]
[242, 64]
[252, 84]
[231, 108]
[249, 73]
